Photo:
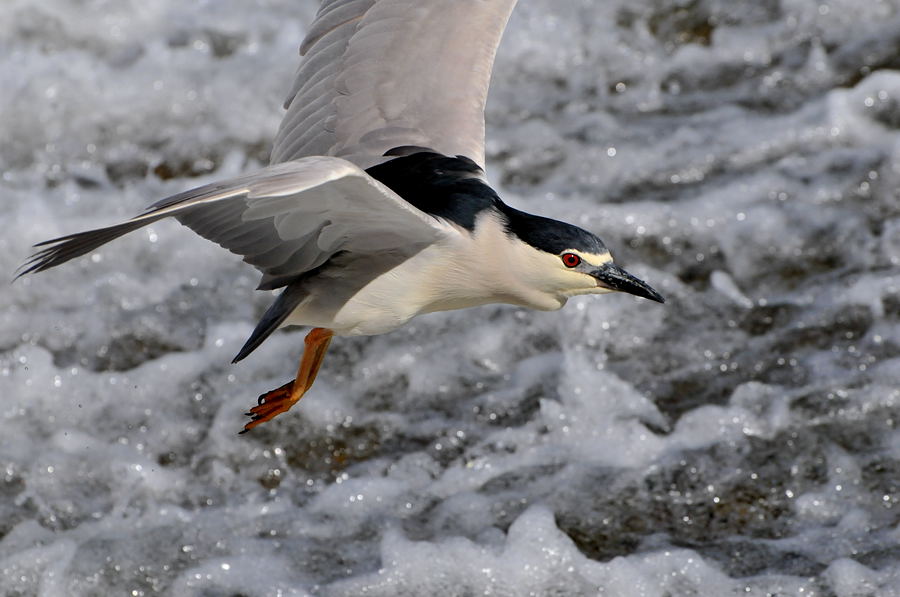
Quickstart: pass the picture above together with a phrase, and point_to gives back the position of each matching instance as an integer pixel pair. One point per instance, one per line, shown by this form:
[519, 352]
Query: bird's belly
[368, 320]
[371, 296]
[387, 301]
[383, 305]
[364, 314]
[379, 305]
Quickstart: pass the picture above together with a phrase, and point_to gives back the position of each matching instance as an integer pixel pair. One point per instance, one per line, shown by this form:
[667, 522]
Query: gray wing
[285, 220]
[379, 74]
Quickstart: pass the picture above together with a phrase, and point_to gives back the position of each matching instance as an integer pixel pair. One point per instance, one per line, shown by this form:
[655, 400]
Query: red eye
[571, 259]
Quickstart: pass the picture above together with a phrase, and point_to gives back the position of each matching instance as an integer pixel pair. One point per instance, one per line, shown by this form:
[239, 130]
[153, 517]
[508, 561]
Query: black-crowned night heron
[376, 208]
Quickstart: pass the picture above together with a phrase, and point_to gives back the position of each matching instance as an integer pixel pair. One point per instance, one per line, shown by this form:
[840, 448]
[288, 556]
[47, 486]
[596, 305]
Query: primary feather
[285, 220]
[386, 73]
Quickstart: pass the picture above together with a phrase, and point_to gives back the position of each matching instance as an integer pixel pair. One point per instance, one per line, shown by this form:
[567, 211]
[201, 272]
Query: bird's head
[513, 256]
[559, 260]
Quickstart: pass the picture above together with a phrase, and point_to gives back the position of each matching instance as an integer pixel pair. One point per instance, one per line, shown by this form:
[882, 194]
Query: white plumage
[376, 208]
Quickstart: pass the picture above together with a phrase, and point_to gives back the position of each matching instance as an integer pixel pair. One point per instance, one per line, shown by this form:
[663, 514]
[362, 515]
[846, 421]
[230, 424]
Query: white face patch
[594, 259]
[489, 265]
[577, 268]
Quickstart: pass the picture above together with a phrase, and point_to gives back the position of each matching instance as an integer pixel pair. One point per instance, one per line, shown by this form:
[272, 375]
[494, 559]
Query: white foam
[741, 157]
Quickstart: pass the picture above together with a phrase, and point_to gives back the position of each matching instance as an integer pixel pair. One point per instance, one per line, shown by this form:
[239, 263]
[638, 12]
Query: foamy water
[742, 157]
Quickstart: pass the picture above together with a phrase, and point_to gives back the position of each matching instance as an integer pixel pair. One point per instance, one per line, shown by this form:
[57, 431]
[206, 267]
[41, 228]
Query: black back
[451, 188]
[445, 187]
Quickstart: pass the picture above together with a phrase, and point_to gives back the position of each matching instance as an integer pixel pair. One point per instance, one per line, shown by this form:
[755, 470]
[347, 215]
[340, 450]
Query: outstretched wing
[380, 74]
[285, 220]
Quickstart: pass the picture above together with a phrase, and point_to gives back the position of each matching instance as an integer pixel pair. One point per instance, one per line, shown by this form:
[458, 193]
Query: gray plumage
[285, 220]
[378, 75]
[375, 208]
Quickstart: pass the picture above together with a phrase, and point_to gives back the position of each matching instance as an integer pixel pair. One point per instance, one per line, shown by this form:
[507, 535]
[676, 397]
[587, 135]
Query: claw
[270, 405]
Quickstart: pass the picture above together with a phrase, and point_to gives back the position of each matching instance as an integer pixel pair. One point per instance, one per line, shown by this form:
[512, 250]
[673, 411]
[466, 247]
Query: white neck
[484, 267]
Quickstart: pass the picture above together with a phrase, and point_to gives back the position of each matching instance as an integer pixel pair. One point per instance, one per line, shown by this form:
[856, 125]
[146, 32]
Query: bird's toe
[270, 405]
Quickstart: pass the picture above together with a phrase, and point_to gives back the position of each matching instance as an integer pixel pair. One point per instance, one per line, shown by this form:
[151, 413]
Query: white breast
[432, 280]
[463, 270]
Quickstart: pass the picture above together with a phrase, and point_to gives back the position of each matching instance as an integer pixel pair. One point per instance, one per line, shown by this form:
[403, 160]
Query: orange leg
[271, 404]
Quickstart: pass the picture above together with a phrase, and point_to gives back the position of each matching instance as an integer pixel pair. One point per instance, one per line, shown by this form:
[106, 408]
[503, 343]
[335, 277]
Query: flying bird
[375, 207]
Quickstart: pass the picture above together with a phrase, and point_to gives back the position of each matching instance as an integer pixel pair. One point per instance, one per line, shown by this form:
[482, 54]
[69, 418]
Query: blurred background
[743, 157]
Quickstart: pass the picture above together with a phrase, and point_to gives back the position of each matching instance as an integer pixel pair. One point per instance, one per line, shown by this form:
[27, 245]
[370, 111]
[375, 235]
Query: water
[742, 157]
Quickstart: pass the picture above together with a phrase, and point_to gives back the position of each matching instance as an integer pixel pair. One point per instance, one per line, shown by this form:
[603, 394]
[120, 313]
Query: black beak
[613, 277]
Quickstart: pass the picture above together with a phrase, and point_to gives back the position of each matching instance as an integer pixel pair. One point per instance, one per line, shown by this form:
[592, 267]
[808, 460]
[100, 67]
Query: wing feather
[333, 15]
[393, 72]
[285, 220]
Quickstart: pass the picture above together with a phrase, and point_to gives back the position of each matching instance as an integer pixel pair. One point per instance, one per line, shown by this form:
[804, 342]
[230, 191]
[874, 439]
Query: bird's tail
[286, 302]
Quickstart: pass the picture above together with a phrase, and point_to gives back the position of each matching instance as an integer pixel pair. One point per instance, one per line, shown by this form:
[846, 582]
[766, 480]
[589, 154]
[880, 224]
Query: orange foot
[270, 405]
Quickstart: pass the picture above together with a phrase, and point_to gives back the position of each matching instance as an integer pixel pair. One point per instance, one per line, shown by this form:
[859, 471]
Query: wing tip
[57, 251]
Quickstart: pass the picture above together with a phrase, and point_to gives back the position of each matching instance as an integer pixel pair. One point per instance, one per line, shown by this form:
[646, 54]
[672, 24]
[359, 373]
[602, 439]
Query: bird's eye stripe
[571, 259]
